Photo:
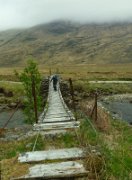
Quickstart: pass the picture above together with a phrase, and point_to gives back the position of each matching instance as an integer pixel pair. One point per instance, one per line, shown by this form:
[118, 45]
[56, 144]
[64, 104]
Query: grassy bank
[102, 88]
[115, 147]
[11, 92]
[108, 154]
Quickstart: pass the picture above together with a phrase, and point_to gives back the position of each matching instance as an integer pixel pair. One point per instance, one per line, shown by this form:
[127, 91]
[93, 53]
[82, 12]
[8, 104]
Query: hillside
[67, 43]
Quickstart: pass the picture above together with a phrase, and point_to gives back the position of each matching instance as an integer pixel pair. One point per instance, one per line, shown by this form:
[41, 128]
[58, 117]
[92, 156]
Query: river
[16, 121]
[120, 107]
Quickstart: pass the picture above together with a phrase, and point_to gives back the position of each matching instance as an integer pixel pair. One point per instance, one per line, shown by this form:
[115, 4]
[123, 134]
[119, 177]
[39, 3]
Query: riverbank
[11, 94]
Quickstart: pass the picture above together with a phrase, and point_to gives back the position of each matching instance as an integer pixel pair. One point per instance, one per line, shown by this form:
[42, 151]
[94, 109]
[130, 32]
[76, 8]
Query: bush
[31, 77]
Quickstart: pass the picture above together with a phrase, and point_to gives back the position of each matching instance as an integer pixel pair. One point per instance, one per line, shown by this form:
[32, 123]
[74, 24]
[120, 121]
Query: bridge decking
[57, 117]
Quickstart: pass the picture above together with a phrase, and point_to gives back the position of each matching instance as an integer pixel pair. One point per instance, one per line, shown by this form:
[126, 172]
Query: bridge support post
[73, 99]
[35, 100]
[95, 108]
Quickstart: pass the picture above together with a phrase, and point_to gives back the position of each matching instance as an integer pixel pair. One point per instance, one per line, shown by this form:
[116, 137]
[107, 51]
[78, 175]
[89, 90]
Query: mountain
[63, 42]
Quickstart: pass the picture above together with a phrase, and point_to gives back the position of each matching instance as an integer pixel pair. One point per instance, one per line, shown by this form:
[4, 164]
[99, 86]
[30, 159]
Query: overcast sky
[26, 13]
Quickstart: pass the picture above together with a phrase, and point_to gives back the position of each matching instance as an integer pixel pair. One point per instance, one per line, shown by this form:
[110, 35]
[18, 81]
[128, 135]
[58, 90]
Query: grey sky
[25, 13]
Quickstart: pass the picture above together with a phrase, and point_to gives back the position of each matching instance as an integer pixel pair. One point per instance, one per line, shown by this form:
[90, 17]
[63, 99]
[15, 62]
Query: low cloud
[26, 13]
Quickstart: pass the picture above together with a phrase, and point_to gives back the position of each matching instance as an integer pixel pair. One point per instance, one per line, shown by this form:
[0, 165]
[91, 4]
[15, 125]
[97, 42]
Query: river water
[120, 109]
[16, 121]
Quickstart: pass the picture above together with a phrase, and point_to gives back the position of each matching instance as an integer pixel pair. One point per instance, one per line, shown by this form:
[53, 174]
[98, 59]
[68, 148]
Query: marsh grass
[114, 145]
[116, 148]
[102, 123]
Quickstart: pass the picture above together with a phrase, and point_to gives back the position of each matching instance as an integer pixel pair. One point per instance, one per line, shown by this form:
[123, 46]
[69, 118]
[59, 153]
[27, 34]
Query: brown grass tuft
[11, 168]
[103, 122]
[95, 165]
[2, 132]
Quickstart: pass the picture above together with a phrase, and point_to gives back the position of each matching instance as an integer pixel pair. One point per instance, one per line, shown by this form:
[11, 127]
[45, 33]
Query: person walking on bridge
[55, 80]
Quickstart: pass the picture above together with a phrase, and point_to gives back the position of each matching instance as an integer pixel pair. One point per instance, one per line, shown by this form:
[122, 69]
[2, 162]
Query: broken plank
[56, 154]
[56, 170]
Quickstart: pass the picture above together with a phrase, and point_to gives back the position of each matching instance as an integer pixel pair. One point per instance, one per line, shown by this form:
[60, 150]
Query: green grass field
[78, 72]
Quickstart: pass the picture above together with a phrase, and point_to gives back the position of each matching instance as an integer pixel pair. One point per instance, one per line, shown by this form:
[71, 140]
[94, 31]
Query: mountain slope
[67, 43]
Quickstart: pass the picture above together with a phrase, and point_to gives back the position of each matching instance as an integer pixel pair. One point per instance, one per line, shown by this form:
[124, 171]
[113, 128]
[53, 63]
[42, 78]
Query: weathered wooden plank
[56, 170]
[56, 102]
[58, 154]
[57, 115]
[44, 133]
[58, 125]
[56, 112]
[54, 109]
[57, 119]
[63, 114]
[62, 127]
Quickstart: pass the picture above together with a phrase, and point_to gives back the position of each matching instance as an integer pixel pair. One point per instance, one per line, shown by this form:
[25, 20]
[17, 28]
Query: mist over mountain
[27, 13]
[65, 42]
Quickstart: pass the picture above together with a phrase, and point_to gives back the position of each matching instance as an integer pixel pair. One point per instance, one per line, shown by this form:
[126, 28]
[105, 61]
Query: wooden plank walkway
[57, 110]
[57, 115]
[56, 118]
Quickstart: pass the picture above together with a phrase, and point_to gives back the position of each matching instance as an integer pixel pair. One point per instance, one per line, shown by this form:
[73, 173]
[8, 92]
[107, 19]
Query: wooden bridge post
[73, 99]
[35, 100]
[96, 107]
